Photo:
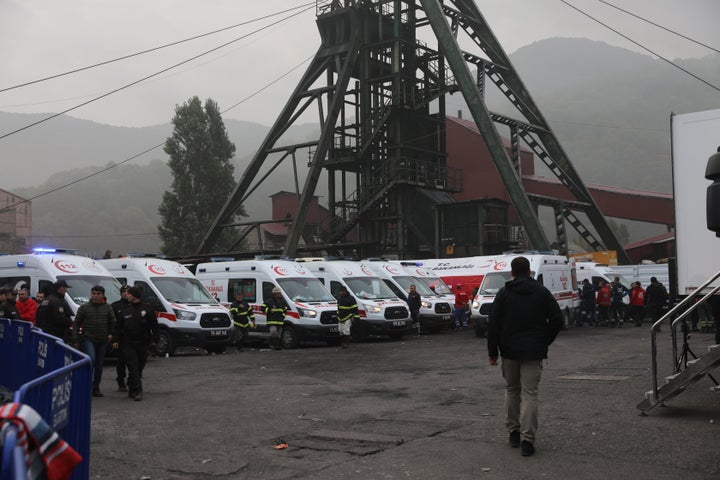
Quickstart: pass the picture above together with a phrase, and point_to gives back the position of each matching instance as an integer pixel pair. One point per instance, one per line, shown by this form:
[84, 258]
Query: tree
[200, 153]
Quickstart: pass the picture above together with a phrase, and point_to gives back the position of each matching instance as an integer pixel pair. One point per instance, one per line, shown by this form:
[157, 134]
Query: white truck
[695, 137]
[187, 314]
[312, 315]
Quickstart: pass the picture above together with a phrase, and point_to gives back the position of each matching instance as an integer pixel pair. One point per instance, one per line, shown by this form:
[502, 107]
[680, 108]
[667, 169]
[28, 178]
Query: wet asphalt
[428, 407]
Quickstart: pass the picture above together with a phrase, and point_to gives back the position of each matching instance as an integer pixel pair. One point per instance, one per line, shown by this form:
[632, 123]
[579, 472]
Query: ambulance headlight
[184, 314]
[304, 312]
[426, 304]
[372, 308]
[475, 305]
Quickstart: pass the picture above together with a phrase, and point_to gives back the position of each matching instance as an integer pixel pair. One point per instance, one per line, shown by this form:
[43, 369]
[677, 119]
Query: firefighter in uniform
[275, 308]
[243, 318]
[347, 312]
[137, 329]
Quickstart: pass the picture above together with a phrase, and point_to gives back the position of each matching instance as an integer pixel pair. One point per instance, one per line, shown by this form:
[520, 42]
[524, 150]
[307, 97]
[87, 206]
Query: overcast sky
[39, 38]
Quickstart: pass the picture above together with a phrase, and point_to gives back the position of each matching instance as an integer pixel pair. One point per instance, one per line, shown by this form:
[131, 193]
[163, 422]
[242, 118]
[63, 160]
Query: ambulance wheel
[165, 345]
[289, 337]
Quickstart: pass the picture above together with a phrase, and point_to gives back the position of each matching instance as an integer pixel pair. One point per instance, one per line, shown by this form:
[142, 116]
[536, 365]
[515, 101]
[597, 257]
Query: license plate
[334, 330]
[446, 317]
[218, 333]
[399, 323]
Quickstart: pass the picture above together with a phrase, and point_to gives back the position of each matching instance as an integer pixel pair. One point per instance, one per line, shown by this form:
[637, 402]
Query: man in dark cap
[120, 366]
[137, 329]
[53, 315]
[8, 309]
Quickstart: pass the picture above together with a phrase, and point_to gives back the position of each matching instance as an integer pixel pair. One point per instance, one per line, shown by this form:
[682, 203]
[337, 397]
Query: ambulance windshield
[493, 282]
[406, 281]
[80, 286]
[182, 290]
[305, 290]
[368, 288]
[436, 285]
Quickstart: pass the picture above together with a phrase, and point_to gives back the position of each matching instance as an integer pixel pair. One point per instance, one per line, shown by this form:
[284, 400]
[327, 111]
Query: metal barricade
[52, 378]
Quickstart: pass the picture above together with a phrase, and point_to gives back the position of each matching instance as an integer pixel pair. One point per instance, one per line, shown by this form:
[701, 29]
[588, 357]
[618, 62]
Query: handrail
[673, 325]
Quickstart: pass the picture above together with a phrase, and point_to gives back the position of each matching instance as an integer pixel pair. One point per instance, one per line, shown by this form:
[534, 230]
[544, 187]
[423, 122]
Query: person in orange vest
[637, 303]
[603, 302]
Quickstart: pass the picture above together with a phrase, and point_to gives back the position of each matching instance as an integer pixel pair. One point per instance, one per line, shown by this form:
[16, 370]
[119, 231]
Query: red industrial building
[483, 188]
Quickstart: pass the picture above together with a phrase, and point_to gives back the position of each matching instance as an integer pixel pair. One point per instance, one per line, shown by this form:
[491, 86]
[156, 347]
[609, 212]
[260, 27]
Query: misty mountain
[67, 142]
[609, 107]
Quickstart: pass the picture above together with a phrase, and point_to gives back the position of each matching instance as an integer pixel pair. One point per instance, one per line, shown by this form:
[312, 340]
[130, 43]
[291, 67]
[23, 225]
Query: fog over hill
[609, 107]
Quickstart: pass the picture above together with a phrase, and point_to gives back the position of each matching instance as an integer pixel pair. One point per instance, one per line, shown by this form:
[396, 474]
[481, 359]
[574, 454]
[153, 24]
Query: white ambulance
[188, 315]
[555, 272]
[381, 311]
[435, 310]
[428, 278]
[462, 273]
[313, 311]
[46, 266]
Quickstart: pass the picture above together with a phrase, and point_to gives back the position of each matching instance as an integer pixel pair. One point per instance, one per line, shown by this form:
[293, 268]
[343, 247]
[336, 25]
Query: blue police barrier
[52, 378]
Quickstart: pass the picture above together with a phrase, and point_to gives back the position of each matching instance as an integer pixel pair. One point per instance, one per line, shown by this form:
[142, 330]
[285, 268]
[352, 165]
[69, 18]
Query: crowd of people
[611, 303]
[128, 326]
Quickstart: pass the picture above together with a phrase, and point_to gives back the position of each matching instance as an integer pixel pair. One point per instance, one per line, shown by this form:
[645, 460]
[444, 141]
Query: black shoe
[138, 397]
[97, 393]
[526, 448]
[514, 439]
[122, 388]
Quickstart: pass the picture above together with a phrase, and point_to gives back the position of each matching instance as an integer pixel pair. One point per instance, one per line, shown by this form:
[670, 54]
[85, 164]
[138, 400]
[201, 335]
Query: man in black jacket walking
[137, 329]
[524, 320]
[53, 315]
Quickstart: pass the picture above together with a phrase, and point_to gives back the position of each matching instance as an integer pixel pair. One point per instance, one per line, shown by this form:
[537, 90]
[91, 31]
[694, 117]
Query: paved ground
[422, 408]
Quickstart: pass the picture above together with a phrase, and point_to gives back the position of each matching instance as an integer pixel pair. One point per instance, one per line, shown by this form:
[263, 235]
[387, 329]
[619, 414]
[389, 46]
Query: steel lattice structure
[380, 95]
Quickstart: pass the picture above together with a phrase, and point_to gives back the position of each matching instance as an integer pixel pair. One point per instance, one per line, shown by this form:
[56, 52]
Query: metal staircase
[685, 371]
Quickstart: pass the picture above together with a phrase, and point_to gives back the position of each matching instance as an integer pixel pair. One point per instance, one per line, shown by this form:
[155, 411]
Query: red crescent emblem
[500, 266]
[65, 266]
[156, 269]
[280, 270]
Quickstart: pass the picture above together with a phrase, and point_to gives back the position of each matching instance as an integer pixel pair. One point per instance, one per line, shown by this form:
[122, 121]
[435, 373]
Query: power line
[148, 150]
[100, 235]
[150, 76]
[153, 49]
[639, 45]
[660, 26]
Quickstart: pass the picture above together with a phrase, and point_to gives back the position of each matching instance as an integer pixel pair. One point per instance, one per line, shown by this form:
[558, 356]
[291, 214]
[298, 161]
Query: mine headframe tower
[380, 94]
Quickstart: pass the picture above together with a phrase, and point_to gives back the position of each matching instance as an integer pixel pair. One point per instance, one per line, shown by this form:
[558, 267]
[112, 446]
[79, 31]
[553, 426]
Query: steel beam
[454, 57]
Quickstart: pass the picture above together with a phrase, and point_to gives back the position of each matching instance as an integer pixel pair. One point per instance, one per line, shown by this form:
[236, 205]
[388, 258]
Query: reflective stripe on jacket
[275, 310]
[242, 314]
[347, 308]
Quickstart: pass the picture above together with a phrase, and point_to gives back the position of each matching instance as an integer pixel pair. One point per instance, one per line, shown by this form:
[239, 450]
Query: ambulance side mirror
[712, 206]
